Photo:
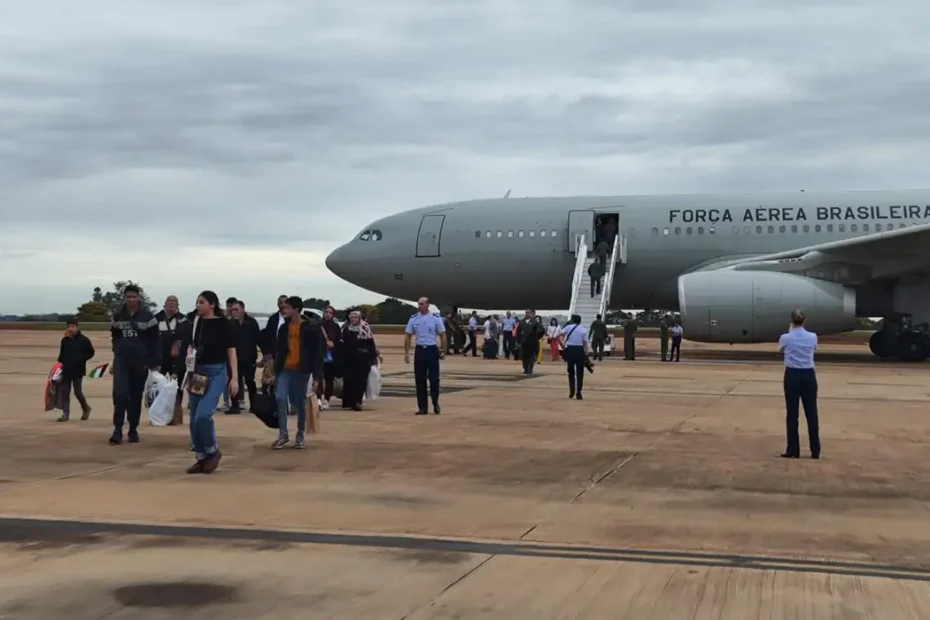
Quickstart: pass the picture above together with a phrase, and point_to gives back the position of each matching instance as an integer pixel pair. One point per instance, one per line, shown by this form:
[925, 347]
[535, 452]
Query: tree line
[103, 304]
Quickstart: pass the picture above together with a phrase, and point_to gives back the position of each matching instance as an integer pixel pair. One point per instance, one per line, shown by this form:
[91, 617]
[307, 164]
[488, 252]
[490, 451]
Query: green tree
[393, 311]
[316, 303]
[93, 312]
[114, 300]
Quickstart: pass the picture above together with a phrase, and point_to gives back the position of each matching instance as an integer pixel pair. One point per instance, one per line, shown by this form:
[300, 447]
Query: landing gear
[898, 339]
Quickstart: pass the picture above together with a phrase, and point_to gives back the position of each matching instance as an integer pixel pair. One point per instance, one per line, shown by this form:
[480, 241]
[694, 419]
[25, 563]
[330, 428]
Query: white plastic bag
[161, 411]
[374, 384]
[153, 385]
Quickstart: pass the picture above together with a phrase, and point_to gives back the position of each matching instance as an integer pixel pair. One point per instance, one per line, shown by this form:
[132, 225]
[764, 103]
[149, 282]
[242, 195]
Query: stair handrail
[582, 257]
[609, 282]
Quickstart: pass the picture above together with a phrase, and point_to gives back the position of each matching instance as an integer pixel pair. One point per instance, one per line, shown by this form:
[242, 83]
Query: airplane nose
[337, 261]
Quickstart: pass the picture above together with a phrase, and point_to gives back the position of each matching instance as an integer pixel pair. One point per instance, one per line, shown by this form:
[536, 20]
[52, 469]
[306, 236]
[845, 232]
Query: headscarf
[361, 329]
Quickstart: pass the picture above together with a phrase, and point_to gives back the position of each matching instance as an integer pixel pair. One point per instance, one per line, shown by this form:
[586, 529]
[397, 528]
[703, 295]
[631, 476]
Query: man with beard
[170, 323]
[134, 333]
[248, 343]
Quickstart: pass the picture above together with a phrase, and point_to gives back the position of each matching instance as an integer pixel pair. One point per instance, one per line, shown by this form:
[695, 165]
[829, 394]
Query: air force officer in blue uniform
[798, 346]
[427, 331]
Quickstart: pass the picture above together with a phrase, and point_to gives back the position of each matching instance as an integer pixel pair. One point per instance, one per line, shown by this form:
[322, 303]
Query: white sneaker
[324, 405]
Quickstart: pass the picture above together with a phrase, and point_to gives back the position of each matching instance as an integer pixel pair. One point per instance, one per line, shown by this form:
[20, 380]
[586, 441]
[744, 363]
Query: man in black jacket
[170, 326]
[76, 349]
[248, 344]
[272, 329]
[134, 333]
[299, 356]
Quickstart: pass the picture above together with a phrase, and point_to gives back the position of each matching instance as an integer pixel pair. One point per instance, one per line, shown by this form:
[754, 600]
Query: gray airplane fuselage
[518, 253]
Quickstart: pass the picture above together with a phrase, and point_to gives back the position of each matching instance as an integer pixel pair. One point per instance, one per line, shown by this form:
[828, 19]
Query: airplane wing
[849, 261]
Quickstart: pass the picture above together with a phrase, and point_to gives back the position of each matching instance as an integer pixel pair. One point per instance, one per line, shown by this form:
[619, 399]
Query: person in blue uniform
[798, 346]
[426, 331]
[576, 342]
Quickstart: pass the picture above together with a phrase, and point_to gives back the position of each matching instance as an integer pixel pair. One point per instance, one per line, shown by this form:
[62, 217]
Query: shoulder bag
[196, 383]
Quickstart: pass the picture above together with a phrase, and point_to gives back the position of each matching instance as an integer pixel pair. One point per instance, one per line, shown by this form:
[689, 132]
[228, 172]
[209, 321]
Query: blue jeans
[203, 407]
[292, 386]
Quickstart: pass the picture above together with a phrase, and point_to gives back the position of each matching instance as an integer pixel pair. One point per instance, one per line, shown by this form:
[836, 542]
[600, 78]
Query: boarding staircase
[582, 303]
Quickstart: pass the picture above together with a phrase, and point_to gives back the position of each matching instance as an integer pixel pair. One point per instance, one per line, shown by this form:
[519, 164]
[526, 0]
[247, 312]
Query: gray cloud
[289, 125]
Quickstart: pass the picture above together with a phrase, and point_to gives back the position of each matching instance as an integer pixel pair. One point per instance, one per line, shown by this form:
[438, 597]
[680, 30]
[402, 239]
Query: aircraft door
[429, 235]
[580, 223]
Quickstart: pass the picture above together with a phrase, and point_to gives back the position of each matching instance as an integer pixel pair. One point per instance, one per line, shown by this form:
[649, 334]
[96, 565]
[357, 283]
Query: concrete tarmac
[660, 496]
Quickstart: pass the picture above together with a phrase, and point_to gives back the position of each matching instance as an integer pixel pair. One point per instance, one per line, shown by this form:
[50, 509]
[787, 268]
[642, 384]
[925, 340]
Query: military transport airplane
[733, 265]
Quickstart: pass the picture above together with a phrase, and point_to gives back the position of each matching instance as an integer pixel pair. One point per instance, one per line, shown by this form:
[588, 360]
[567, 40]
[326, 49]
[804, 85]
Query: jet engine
[755, 306]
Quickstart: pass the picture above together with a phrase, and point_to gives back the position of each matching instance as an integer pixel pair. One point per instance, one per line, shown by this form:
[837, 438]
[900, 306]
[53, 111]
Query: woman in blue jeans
[212, 347]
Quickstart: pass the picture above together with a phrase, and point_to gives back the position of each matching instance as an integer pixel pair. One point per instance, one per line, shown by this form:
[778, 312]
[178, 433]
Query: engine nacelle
[755, 306]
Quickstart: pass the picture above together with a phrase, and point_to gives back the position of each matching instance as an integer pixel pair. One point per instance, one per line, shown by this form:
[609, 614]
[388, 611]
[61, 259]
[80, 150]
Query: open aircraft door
[580, 223]
[429, 236]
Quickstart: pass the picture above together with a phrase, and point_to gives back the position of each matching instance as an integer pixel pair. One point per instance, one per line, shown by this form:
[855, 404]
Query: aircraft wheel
[884, 343]
[913, 347]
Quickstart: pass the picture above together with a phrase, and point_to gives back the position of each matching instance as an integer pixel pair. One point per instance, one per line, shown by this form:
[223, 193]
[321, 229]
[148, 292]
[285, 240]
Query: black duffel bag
[266, 407]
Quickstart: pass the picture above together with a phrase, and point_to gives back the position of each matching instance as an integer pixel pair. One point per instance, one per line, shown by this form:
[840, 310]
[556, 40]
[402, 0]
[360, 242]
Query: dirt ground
[660, 496]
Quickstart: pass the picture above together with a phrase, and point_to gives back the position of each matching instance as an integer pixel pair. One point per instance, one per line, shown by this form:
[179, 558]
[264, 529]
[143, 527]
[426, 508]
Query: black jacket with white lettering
[135, 337]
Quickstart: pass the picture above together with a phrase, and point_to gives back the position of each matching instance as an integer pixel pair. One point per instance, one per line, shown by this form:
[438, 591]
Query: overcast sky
[231, 145]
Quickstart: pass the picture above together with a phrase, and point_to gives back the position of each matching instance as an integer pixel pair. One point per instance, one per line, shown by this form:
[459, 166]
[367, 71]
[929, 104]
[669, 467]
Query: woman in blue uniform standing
[798, 346]
[575, 338]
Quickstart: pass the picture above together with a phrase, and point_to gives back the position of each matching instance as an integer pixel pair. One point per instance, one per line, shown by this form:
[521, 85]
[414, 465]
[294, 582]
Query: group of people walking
[211, 351]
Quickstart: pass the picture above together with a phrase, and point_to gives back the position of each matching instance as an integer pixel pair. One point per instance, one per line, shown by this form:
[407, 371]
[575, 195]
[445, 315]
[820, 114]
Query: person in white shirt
[800, 384]
[472, 336]
[575, 336]
[676, 332]
[554, 338]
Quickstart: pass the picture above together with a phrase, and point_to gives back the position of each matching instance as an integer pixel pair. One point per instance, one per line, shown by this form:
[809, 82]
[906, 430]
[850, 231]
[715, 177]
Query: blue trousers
[426, 367]
[292, 386]
[202, 408]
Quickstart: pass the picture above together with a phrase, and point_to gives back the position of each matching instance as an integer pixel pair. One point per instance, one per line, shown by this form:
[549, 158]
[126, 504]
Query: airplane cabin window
[665, 231]
[781, 228]
[794, 228]
[688, 230]
[854, 227]
[655, 232]
[818, 228]
[865, 227]
[758, 230]
[736, 230]
[678, 230]
[509, 233]
[532, 233]
[520, 234]
[487, 234]
[376, 235]
[747, 229]
[542, 233]
[712, 230]
[771, 229]
[807, 228]
[554, 233]
[365, 236]
[477, 234]
[842, 227]
[500, 234]
[700, 230]
[829, 227]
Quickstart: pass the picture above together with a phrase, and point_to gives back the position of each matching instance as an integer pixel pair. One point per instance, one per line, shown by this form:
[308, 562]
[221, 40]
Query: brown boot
[178, 418]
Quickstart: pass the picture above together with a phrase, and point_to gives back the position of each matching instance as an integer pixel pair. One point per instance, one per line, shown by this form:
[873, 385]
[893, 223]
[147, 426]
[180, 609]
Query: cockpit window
[376, 235]
[365, 236]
